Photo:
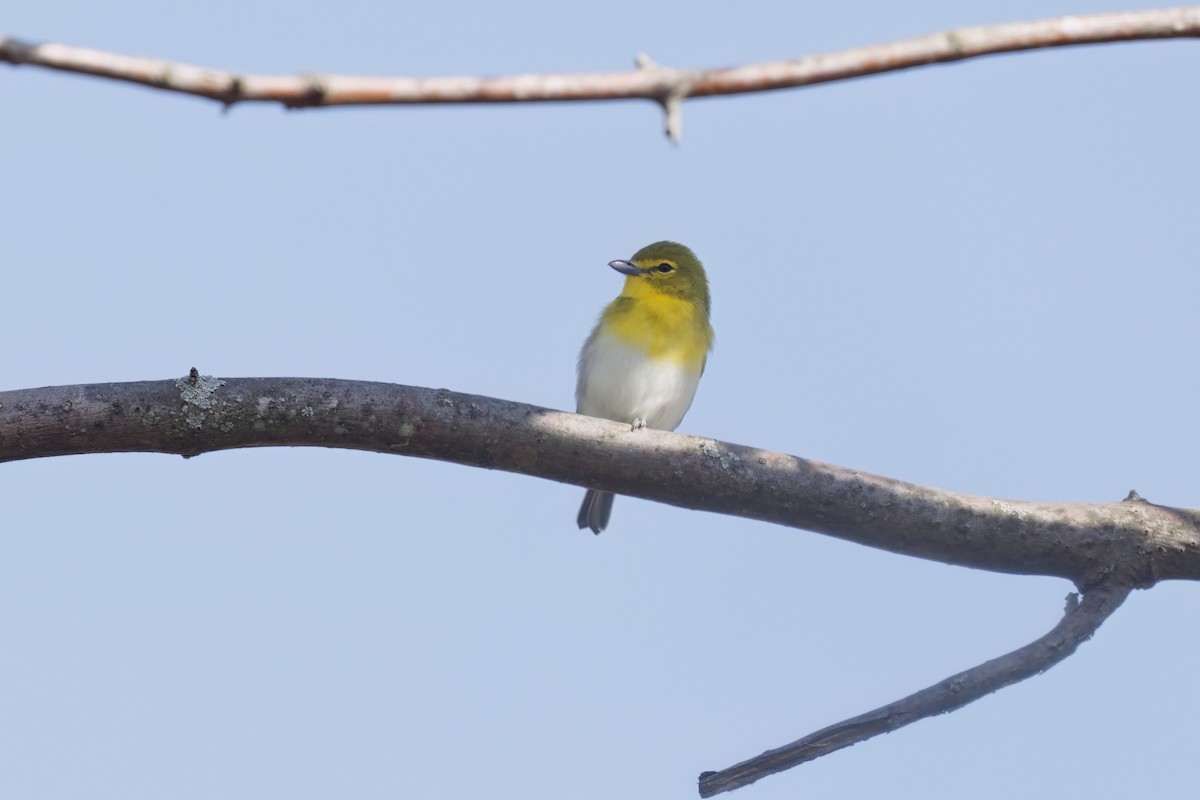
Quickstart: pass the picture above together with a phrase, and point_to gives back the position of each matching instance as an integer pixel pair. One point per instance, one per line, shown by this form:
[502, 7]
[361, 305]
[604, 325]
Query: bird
[642, 362]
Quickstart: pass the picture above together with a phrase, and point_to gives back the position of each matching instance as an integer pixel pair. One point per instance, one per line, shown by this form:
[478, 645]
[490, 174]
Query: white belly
[622, 383]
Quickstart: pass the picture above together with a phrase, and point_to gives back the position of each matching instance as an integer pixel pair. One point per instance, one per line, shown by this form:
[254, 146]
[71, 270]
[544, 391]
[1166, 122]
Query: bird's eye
[664, 267]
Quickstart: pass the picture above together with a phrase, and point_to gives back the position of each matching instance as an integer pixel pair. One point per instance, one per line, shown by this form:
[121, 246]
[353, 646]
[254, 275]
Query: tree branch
[664, 85]
[1107, 549]
[1133, 542]
[1081, 620]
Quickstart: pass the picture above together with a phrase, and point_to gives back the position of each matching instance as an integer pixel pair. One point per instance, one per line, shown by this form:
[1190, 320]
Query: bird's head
[667, 267]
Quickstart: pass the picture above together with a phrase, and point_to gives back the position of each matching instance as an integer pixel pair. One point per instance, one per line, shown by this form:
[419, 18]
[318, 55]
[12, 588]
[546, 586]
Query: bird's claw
[638, 424]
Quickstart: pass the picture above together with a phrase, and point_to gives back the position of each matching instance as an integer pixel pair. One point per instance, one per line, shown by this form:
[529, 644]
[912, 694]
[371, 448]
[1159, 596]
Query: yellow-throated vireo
[642, 362]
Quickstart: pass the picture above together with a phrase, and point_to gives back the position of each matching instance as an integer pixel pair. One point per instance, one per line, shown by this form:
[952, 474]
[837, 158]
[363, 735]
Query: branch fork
[1105, 549]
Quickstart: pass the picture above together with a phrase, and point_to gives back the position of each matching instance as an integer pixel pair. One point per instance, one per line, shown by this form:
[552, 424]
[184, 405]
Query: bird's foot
[638, 424]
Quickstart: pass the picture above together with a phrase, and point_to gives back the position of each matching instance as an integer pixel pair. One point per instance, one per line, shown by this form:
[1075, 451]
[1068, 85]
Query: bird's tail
[595, 511]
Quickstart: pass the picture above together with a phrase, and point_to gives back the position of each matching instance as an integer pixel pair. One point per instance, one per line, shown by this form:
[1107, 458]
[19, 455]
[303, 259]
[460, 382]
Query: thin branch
[664, 85]
[1081, 620]
[1135, 542]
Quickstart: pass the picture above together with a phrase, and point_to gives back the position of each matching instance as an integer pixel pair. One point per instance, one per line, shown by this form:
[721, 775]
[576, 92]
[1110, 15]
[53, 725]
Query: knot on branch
[677, 84]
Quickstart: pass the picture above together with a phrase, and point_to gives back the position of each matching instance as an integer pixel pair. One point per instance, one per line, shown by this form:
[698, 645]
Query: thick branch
[664, 85]
[1076, 627]
[1135, 542]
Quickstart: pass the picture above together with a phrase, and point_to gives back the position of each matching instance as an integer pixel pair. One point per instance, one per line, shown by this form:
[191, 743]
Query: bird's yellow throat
[663, 325]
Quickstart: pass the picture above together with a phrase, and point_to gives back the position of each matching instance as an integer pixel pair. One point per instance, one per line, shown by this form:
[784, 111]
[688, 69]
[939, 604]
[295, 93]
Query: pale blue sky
[980, 276]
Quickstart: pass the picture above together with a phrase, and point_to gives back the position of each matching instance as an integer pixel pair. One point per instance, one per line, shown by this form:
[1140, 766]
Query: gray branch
[1081, 620]
[1137, 542]
[1106, 549]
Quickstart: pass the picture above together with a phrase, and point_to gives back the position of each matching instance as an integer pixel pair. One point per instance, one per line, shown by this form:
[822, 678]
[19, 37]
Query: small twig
[665, 86]
[677, 84]
[673, 112]
[1077, 626]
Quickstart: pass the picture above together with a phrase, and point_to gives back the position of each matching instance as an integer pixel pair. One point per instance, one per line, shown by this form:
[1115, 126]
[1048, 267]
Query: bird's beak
[627, 267]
